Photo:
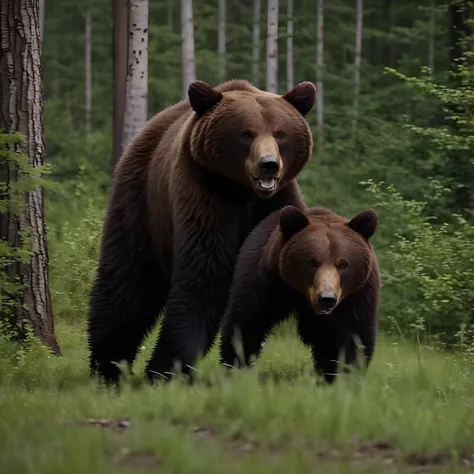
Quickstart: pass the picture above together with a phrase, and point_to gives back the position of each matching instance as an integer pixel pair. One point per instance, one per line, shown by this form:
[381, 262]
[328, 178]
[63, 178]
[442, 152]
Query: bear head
[256, 138]
[325, 257]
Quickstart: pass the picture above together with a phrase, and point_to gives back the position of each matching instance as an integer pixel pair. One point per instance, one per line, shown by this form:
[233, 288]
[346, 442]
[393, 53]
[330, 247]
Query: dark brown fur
[183, 200]
[284, 265]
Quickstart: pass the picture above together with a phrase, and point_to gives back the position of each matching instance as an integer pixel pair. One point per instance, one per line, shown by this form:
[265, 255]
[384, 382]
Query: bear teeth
[267, 183]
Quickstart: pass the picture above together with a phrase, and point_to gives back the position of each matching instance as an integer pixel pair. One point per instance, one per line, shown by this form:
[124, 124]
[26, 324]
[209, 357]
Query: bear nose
[327, 300]
[269, 165]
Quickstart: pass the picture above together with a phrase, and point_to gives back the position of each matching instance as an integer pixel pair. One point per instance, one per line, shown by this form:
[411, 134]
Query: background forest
[393, 129]
[408, 152]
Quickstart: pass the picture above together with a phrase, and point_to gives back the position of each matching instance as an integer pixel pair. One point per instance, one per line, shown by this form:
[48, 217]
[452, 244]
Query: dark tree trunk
[21, 97]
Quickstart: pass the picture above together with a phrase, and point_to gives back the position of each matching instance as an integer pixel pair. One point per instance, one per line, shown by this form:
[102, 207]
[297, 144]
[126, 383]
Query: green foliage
[430, 278]
[75, 249]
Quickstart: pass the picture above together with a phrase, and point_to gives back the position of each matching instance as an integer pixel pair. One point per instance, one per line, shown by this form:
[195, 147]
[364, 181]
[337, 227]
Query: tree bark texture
[272, 46]
[221, 39]
[22, 111]
[188, 59]
[88, 70]
[137, 74]
[358, 54]
[257, 7]
[289, 46]
[41, 19]
[120, 41]
[319, 71]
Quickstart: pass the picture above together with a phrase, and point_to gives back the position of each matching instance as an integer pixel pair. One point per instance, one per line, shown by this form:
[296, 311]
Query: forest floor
[412, 413]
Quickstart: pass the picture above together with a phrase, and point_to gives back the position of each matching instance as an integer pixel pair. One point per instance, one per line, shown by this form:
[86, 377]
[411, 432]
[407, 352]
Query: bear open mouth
[323, 312]
[266, 184]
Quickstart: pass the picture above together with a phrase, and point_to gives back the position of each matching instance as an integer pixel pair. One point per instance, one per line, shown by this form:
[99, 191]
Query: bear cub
[317, 265]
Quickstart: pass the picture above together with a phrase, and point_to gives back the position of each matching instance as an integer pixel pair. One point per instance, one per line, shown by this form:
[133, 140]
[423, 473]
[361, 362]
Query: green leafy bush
[428, 279]
[74, 251]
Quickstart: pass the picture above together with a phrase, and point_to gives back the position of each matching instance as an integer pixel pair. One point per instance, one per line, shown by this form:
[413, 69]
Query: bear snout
[327, 301]
[269, 166]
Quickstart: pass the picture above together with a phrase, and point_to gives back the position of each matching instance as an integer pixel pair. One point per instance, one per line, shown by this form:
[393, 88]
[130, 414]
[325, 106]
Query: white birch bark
[319, 71]
[257, 7]
[272, 46]
[431, 51]
[357, 60]
[88, 70]
[188, 59]
[221, 40]
[137, 75]
[289, 47]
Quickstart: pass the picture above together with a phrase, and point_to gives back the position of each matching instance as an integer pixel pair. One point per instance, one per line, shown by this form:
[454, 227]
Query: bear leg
[183, 339]
[127, 296]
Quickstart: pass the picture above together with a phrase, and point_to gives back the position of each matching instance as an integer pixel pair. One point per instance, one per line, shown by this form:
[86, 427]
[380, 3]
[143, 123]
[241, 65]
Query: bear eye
[342, 264]
[280, 136]
[247, 137]
[312, 264]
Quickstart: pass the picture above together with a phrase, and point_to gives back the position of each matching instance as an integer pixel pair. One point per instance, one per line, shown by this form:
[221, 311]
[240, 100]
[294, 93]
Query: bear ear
[302, 97]
[203, 97]
[365, 223]
[292, 220]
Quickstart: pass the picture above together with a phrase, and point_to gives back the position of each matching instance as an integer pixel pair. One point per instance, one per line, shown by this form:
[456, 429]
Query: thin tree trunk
[41, 19]
[319, 72]
[137, 77]
[221, 40]
[289, 46]
[272, 46]
[22, 111]
[257, 7]
[88, 70]
[120, 61]
[188, 60]
[431, 51]
[358, 54]
[169, 14]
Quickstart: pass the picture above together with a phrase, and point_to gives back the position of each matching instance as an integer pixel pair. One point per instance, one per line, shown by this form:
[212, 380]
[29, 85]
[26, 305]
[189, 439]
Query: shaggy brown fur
[186, 192]
[316, 264]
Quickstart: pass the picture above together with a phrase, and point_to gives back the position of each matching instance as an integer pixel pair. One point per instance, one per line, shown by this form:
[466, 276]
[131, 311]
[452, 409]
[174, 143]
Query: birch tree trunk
[88, 70]
[188, 61]
[431, 50]
[358, 54]
[137, 72]
[120, 73]
[221, 40]
[272, 46]
[319, 72]
[289, 46]
[169, 13]
[257, 7]
[22, 111]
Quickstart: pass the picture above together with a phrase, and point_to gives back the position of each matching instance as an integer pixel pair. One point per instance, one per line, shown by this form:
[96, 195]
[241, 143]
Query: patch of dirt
[138, 459]
[232, 445]
[117, 425]
[377, 451]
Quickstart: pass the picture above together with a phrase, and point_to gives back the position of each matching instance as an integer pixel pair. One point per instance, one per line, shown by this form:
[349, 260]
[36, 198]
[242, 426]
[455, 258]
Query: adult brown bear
[186, 193]
[316, 265]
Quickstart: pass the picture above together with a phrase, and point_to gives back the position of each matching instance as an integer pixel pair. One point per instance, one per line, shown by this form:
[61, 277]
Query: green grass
[271, 419]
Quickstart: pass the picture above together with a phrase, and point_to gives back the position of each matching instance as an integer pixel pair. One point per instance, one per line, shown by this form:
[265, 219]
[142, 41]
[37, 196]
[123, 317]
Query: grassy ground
[412, 413]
